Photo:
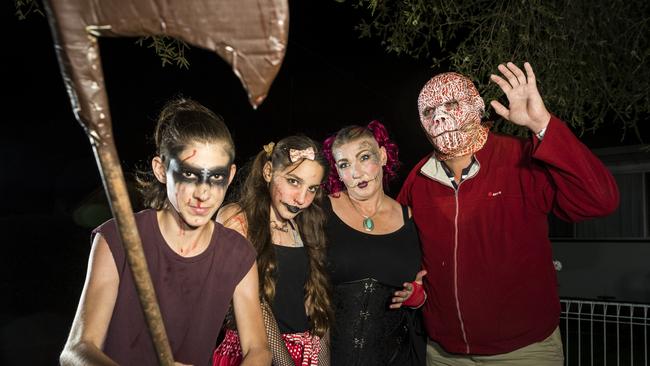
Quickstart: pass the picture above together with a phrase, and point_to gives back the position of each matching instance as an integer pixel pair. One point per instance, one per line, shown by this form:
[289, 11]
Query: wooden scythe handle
[251, 35]
[115, 187]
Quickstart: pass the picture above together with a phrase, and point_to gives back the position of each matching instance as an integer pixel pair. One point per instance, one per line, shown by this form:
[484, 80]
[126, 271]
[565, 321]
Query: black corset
[367, 332]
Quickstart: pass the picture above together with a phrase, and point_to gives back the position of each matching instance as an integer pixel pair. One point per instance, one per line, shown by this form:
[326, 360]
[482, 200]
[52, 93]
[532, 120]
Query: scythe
[251, 35]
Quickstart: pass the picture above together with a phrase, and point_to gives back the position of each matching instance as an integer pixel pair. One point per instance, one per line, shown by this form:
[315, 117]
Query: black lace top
[365, 271]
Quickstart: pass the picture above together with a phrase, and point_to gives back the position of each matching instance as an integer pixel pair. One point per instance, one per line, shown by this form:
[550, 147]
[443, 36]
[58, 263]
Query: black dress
[365, 271]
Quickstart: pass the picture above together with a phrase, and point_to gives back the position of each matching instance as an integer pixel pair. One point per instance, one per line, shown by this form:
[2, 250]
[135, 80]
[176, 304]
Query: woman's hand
[409, 290]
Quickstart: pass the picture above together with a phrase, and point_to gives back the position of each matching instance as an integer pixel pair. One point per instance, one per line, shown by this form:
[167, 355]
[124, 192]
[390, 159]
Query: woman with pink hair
[373, 251]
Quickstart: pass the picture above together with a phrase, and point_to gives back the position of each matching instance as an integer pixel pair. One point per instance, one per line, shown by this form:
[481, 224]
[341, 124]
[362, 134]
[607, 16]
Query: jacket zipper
[460, 316]
[446, 183]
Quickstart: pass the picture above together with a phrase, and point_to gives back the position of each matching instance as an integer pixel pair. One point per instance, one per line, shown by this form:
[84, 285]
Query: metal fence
[604, 333]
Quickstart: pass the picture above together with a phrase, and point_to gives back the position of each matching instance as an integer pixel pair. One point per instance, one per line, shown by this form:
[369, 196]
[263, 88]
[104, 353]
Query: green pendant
[368, 225]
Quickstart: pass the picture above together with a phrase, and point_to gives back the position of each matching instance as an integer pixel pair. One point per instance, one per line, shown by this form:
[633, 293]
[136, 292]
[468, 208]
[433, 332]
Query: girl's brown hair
[255, 203]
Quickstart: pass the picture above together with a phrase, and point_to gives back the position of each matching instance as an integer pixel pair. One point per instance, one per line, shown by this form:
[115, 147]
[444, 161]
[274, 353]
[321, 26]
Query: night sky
[48, 175]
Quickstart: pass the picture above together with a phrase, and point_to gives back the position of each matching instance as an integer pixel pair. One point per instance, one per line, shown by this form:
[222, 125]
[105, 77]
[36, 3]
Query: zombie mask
[450, 112]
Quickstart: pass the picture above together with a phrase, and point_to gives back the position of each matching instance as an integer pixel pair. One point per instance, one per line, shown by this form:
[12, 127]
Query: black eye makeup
[187, 174]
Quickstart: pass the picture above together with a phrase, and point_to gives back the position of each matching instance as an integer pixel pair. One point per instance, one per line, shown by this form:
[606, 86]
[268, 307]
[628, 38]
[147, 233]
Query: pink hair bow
[295, 155]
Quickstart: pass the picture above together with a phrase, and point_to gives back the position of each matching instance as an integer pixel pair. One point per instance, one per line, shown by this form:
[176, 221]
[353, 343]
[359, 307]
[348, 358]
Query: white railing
[604, 333]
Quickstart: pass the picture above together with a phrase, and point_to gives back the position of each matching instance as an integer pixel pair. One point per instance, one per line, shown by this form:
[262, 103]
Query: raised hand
[526, 107]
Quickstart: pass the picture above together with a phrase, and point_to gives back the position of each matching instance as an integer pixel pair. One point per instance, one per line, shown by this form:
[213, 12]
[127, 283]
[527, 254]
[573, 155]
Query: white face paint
[359, 164]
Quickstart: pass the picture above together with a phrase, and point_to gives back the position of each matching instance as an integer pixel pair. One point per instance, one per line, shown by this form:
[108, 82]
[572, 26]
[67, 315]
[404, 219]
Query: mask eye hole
[427, 112]
[453, 104]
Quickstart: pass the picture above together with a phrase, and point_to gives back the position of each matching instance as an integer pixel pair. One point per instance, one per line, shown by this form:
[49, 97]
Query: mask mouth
[444, 132]
[292, 209]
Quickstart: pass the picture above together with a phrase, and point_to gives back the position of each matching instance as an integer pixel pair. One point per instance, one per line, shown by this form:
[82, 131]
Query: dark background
[50, 188]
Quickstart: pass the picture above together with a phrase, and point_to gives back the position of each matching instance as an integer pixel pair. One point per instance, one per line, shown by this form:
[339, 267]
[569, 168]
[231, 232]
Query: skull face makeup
[450, 112]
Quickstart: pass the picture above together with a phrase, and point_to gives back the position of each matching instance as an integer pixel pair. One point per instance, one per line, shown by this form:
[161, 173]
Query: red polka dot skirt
[303, 348]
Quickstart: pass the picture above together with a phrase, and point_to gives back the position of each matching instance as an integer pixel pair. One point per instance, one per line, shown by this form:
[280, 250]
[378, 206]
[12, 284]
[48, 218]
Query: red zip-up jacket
[491, 283]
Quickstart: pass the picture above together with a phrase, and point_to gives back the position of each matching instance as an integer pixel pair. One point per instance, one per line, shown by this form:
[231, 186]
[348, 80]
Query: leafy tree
[26, 7]
[169, 50]
[591, 56]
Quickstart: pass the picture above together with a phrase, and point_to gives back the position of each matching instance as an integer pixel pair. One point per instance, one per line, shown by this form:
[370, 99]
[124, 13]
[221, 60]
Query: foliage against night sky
[592, 57]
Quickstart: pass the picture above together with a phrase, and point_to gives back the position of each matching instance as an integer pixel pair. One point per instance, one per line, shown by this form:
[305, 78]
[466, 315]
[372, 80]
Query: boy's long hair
[255, 203]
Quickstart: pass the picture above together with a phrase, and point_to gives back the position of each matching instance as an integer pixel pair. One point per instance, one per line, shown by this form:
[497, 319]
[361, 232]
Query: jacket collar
[433, 169]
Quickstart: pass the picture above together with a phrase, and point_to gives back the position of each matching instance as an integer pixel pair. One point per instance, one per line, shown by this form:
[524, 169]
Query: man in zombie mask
[480, 201]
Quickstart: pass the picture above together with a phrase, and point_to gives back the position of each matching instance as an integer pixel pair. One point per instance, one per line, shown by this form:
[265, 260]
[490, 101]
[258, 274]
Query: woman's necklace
[368, 224]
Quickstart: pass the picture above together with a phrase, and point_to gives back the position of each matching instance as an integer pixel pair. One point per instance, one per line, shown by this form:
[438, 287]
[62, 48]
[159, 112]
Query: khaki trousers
[545, 353]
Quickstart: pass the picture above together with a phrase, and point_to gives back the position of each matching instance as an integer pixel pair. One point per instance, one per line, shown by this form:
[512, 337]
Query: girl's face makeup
[359, 164]
[294, 188]
[197, 180]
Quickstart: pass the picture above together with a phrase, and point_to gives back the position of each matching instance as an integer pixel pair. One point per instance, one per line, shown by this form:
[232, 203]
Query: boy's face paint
[197, 180]
[188, 174]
